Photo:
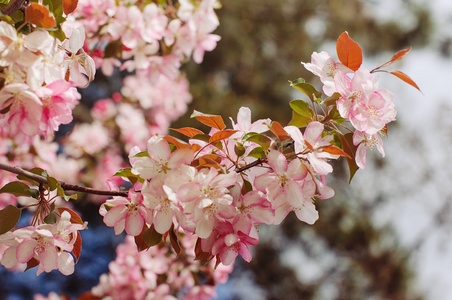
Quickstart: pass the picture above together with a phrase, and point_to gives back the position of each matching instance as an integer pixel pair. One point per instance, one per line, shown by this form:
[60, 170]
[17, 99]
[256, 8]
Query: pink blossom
[163, 203]
[364, 142]
[160, 160]
[58, 98]
[230, 240]
[155, 23]
[255, 207]
[354, 91]
[309, 145]
[324, 66]
[208, 199]
[126, 213]
[127, 25]
[205, 42]
[368, 109]
[287, 189]
[244, 122]
[25, 109]
[77, 61]
[16, 48]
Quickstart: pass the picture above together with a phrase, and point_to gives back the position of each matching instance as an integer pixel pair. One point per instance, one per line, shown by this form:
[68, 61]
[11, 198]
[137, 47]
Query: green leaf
[141, 154]
[202, 137]
[260, 139]
[331, 100]
[247, 187]
[58, 33]
[306, 88]
[51, 218]
[257, 152]
[57, 10]
[302, 108]
[128, 174]
[16, 188]
[9, 216]
[239, 149]
[151, 237]
[334, 115]
[299, 120]
[53, 183]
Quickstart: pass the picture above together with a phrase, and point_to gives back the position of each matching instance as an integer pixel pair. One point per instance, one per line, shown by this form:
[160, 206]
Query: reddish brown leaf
[208, 160]
[394, 58]
[279, 131]
[176, 142]
[405, 78]
[309, 145]
[33, 262]
[213, 121]
[349, 52]
[77, 250]
[88, 296]
[75, 218]
[221, 135]
[139, 240]
[335, 150]
[350, 149]
[69, 6]
[174, 241]
[188, 131]
[39, 15]
[195, 147]
[400, 54]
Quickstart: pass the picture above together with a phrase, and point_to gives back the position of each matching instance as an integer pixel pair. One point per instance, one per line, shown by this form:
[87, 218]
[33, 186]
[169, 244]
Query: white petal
[65, 263]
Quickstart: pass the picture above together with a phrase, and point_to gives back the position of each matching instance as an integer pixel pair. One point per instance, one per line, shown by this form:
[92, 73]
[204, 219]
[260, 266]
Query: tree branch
[65, 186]
[255, 163]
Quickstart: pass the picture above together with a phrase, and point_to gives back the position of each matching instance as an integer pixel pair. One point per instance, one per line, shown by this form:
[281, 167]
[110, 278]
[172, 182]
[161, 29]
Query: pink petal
[204, 227]
[48, 259]
[228, 256]
[181, 156]
[296, 170]
[360, 157]
[313, 131]
[277, 162]
[65, 263]
[119, 226]
[9, 258]
[163, 220]
[114, 215]
[134, 223]
[307, 213]
[159, 149]
[245, 252]
[294, 193]
[26, 250]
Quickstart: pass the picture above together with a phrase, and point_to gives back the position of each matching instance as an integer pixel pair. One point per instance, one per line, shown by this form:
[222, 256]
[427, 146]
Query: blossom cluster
[152, 41]
[368, 108]
[47, 246]
[159, 274]
[39, 78]
[207, 190]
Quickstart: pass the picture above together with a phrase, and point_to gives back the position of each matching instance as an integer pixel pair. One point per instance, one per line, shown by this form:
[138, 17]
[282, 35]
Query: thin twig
[251, 165]
[65, 186]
